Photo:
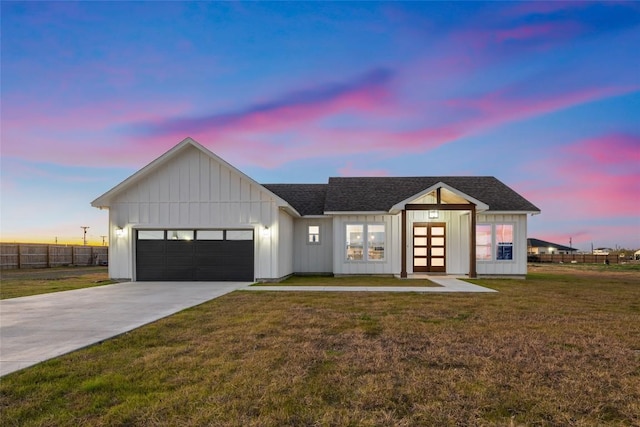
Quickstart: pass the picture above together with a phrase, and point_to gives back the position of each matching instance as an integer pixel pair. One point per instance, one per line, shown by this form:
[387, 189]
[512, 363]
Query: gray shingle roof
[381, 193]
[307, 199]
[537, 243]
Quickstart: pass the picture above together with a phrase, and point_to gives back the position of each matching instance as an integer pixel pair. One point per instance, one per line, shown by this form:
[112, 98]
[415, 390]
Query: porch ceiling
[441, 194]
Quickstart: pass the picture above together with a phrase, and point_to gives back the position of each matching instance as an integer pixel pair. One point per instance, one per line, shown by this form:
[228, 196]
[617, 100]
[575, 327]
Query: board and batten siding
[285, 245]
[193, 191]
[518, 266]
[391, 263]
[313, 258]
[457, 238]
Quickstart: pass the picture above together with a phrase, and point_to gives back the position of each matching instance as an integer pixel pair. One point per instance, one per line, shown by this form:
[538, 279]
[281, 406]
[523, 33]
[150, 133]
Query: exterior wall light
[120, 232]
[433, 214]
[265, 232]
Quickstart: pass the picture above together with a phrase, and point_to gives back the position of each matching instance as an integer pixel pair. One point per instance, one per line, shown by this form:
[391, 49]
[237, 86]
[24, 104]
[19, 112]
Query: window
[365, 242]
[375, 241]
[483, 242]
[313, 233]
[239, 234]
[210, 235]
[179, 234]
[150, 234]
[354, 242]
[504, 242]
[494, 242]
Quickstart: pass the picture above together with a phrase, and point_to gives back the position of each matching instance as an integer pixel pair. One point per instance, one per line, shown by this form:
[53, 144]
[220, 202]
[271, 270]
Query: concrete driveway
[40, 327]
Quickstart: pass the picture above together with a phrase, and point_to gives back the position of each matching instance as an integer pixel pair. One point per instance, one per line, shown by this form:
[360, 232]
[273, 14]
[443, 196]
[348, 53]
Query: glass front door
[429, 247]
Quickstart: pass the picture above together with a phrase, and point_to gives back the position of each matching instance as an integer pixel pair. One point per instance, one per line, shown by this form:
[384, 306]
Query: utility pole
[103, 243]
[84, 239]
[570, 247]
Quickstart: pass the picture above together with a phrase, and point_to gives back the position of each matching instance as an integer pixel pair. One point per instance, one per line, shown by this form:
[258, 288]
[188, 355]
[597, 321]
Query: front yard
[561, 348]
[22, 283]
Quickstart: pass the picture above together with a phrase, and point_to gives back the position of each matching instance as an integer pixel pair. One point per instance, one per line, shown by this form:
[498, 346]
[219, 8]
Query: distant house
[602, 251]
[189, 215]
[541, 247]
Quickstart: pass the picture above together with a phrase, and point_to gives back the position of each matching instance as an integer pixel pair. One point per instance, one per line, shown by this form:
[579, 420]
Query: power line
[84, 228]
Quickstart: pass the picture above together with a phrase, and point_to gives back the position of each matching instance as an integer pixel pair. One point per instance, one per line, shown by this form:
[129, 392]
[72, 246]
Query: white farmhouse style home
[189, 215]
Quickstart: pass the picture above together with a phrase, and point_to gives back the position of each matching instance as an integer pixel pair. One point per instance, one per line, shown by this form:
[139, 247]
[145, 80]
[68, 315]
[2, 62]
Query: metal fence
[576, 258]
[24, 255]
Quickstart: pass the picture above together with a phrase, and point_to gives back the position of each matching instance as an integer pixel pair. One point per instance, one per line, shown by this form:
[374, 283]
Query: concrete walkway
[40, 327]
[447, 284]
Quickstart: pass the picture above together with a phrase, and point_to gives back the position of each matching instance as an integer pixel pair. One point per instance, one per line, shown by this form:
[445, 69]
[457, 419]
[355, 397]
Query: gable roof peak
[105, 200]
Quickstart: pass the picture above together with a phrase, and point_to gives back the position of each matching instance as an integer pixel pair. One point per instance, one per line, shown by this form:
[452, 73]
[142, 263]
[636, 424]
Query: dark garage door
[194, 255]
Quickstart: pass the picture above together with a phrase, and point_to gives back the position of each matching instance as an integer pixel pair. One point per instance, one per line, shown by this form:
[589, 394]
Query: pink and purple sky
[545, 96]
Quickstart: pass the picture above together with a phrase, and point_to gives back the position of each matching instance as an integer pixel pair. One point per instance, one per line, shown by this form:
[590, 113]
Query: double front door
[429, 247]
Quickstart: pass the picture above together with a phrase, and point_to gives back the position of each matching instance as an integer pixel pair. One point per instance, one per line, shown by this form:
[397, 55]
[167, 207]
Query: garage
[195, 255]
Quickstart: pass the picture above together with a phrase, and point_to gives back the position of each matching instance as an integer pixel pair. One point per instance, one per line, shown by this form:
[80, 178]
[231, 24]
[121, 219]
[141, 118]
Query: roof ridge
[292, 183]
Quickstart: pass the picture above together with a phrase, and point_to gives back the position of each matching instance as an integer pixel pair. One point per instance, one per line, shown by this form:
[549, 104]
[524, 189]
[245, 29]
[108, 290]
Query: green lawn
[21, 283]
[561, 348]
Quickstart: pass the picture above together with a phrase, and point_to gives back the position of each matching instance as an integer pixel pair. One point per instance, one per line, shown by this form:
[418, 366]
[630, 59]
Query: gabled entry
[429, 238]
[429, 247]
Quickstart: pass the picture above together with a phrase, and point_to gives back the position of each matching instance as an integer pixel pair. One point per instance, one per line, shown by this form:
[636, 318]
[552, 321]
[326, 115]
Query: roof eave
[289, 209]
[356, 212]
[513, 212]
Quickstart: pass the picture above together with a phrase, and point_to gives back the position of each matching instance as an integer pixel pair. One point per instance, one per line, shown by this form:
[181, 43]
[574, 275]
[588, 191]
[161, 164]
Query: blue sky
[543, 95]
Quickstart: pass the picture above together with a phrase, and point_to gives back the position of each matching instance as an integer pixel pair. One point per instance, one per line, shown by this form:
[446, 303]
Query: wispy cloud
[350, 170]
[508, 105]
[72, 135]
[614, 151]
[536, 32]
[271, 146]
[305, 104]
[520, 9]
[592, 177]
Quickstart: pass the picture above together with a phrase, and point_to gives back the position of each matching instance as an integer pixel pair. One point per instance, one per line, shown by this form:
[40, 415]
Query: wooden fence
[576, 258]
[24, 255]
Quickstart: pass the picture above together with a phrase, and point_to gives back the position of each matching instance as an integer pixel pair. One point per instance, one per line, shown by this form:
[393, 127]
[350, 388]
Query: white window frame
[313, 238]
[490, 242]
[366, 243]
[347, 242]
[494, 242]
[370, 245]
[513, 238]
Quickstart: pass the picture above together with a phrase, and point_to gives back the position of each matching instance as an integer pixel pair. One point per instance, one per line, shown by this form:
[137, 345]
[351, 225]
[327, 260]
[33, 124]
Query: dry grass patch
[362, 281]
[551, 350]
[21, 283]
